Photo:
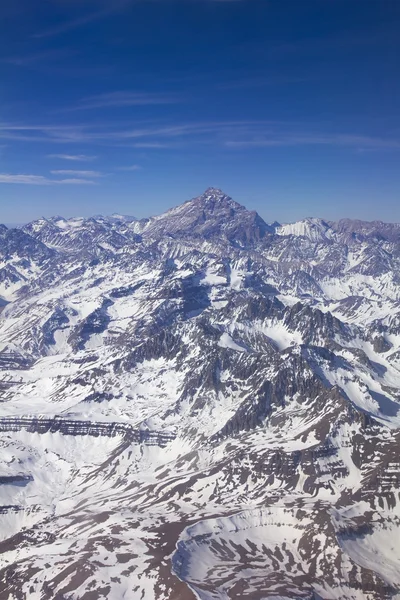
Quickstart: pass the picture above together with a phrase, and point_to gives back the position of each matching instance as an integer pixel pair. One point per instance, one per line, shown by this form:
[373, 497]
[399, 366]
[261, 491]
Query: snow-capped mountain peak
[199, 405]
[210, 215]
[314, 229]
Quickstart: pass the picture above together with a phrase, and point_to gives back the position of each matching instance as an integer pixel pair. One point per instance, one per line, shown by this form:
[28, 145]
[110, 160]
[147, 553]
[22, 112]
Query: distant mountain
[211, 215]
[200, 405]
[346, 230]
[90, 235]
[364, 230]
[316, 230]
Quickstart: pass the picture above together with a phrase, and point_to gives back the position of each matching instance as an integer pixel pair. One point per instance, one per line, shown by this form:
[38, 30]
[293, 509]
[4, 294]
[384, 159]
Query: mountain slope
[200, 405]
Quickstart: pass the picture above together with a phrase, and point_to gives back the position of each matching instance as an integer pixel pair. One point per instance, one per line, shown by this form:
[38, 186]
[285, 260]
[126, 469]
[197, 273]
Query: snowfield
[200, 405]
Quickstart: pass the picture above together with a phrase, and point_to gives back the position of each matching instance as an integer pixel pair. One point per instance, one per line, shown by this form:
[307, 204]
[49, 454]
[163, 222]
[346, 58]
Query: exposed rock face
[200, 405]
[352, 230]
[16, 243]
[90, 428]
[210, 216]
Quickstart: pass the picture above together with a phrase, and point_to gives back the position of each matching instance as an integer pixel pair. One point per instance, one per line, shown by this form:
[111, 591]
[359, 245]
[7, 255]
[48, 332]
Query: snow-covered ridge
[316, 230]
[199, 405]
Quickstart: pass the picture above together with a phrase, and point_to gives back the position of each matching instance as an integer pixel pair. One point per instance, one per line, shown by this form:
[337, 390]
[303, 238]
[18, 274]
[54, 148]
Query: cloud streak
[349, 140]
[77, 173]
[72, 24]
[120, 99]
[73, 157]
[109, 9]
[34, 58]
[23, 179]
[74, 181]
[131, 168]
[226, 134]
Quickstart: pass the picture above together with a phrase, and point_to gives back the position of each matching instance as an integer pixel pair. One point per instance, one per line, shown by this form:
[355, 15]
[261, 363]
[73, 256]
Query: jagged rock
[200, 404]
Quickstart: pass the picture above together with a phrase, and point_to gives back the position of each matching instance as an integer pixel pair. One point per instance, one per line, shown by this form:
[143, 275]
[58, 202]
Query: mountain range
[200, 405]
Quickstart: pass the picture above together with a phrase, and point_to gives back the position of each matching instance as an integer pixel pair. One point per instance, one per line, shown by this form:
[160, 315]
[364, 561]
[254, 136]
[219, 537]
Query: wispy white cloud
[349, 140]
[41, 180]
[150, 145]
[261, 81]
[73, 157]
[40, 133]
[229, 134]
[108, 9]
[33, 58]
[119, 99]
[69, 25]
[131, 168]
[25, 179]
[74, 181]
[77, 173]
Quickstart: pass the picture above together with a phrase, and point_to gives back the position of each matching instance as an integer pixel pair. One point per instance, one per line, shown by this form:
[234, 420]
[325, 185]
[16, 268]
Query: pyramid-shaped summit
[214, 195]
[210, 215]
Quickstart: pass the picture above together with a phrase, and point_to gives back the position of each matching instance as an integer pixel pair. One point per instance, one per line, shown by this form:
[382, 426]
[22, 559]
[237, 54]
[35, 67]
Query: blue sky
[133, 106]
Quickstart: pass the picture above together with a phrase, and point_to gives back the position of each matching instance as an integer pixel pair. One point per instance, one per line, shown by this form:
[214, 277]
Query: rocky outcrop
[89, 428]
